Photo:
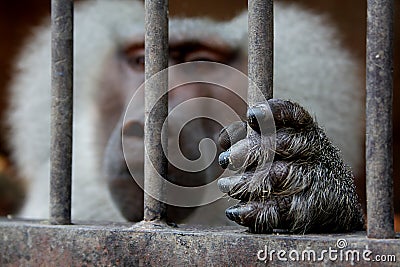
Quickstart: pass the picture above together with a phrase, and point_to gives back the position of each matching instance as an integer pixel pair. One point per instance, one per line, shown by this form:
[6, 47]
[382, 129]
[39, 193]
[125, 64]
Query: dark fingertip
[223, 159]
[224, 185]
[238, 212]
[227, 183]
[223, 139]
[290, 114]
[252, 115]
[223, 131]
[233, 213]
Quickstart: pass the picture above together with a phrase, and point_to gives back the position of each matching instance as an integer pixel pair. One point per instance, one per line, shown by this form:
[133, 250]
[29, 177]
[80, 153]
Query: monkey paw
[306, 188]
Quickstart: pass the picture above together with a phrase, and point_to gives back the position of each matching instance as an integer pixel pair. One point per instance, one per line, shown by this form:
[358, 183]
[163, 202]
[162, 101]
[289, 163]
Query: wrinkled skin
[308, 187]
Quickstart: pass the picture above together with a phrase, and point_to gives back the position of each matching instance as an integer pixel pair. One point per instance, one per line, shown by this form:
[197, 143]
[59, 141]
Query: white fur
[311, 67]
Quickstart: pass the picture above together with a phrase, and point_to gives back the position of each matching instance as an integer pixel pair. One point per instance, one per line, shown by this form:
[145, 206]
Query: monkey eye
[135, 58]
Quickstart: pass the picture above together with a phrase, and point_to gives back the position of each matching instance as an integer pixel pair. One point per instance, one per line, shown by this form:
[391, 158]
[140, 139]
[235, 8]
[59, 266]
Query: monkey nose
[133, 129]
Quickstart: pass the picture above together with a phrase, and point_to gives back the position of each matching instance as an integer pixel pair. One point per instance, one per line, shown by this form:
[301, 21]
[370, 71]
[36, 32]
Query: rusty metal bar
[261, 49]
[61, 111]
[156, 107]
[379, 153]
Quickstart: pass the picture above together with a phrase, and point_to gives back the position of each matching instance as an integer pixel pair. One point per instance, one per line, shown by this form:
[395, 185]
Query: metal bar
[261, 55]
[61, 111]
[379, 157]
[156, 107]
[36, 244]
[261, 49]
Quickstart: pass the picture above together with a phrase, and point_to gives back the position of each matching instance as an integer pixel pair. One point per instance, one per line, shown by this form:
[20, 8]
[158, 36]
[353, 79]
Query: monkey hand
[306, 188]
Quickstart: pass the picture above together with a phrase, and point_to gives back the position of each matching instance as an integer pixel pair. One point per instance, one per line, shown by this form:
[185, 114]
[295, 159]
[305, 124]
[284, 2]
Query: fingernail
[227, 183]
[238, 212]
[252, 115]
[232, 213]
[223, 159]
[224, 185]
[223, 139]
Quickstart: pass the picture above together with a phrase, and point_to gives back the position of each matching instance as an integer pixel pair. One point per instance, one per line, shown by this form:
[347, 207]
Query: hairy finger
[305, 146]
[285, 114]
[261, 217]
[232, 134]
[242, 154]
[257, 185]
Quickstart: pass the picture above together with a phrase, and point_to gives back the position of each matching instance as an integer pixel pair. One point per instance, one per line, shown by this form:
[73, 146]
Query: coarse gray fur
[311, 67]
[308, 187]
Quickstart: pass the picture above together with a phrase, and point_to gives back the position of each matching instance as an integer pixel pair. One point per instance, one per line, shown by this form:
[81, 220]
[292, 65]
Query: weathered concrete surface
[25, 243]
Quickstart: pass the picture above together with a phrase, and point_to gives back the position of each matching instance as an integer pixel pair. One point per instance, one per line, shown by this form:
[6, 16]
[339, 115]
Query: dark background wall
[18, 17]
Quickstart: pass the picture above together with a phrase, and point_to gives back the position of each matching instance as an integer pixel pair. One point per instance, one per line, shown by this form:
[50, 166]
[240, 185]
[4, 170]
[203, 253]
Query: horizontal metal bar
[61, 111]
[379, 151]
[146, 244]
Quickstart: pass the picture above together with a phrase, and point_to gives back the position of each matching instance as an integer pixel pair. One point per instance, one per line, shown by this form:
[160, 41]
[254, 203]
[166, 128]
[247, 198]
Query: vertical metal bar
[61, 111]
[261, 53]
[156, 107]
[261, 49]
[379, 157]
